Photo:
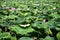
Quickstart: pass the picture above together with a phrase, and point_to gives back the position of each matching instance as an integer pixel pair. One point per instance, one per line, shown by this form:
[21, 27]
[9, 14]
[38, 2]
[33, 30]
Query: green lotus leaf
[13, 38]
[58, 35]
[20, 30]
[5, 35]
[49, 38]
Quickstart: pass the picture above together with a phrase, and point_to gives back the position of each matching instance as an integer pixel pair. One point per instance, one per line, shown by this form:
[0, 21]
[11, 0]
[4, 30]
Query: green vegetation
[29, 20]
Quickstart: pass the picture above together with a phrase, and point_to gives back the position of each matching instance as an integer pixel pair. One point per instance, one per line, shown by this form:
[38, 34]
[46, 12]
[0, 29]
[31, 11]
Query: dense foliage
[29, 20]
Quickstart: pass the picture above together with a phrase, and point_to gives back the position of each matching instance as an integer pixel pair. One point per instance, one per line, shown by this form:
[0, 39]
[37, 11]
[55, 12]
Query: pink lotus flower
[13, 9]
